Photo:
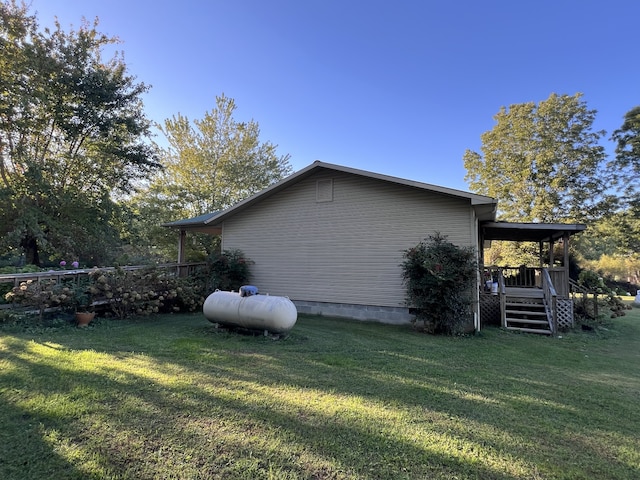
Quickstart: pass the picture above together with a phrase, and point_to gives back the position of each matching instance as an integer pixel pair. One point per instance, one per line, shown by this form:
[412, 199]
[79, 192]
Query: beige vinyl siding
[347, 250]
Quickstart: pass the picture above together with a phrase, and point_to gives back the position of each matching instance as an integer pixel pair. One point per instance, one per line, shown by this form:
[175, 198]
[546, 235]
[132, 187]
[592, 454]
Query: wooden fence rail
[177, 269]
[180, 269]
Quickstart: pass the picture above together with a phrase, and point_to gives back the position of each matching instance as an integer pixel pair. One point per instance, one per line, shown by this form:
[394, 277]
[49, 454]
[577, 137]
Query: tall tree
[209, 165]
[72, 132]
[542, 162]
[626, 166]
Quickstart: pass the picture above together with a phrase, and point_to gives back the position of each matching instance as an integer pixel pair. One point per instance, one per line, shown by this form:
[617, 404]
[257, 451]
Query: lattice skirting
[489, 309]
[564, 313]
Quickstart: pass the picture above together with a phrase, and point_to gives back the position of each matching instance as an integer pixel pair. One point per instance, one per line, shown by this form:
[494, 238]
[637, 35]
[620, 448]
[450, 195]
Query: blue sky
[401, 88]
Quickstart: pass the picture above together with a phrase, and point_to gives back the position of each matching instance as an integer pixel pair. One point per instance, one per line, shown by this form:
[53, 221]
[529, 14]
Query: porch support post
[540, 254]
[551, 259]
[565, 245]
[181, 242]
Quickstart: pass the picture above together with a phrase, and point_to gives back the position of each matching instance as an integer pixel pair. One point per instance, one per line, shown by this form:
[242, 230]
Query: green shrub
[11, 317]
[440, 279]
[592, 281]
[4, 289]
[228, 270]
[23, 269]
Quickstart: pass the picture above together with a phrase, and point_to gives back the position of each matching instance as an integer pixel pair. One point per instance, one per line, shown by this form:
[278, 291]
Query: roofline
[475, 199]
[568, 227]
[514, 231]
[190, 222]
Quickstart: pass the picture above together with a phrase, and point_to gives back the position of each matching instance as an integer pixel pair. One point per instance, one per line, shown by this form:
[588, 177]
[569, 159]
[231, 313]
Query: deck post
[503, 299]
[181, 243]
[565, 262]
[181, 247]
[541, 253]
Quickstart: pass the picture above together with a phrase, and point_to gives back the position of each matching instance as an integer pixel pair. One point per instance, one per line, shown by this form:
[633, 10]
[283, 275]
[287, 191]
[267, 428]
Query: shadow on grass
[210, 404]
[144, 426]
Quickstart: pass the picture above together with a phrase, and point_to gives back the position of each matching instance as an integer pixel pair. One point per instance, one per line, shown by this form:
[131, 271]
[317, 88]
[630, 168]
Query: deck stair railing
[551, 301]
[585, 296]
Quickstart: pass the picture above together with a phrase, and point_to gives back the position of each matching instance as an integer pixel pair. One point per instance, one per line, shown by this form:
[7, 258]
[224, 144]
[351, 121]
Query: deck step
[524, 304]
[531, 330]
[527, 320]
[538, 313]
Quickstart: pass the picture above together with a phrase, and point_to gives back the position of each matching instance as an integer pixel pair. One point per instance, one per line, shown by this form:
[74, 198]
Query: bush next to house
[228, 270]
[440, 278]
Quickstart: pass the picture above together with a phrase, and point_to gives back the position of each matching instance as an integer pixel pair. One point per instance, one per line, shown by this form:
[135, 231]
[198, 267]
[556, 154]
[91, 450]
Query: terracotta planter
[84, 318]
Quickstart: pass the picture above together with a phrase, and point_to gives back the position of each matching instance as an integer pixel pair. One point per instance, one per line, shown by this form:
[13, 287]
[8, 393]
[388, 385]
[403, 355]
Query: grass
[172, 397]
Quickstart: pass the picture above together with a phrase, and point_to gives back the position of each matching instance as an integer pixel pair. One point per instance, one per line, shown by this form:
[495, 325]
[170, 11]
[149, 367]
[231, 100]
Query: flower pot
[84, 318]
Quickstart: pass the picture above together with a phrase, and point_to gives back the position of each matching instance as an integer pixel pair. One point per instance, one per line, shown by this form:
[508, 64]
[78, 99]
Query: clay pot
[84, 318]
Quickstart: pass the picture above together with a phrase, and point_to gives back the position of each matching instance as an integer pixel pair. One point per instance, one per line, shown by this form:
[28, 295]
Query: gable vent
[324, 190]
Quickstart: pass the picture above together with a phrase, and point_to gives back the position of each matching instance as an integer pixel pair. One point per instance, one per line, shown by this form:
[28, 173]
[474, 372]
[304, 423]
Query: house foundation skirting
[489, 309]
[565, 313]
[391, 315]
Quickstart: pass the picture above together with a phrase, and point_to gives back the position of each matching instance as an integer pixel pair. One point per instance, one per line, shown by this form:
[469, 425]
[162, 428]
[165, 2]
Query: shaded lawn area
[172, 397]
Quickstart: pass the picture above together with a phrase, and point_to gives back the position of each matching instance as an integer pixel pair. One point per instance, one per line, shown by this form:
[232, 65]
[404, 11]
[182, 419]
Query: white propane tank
[255, 312]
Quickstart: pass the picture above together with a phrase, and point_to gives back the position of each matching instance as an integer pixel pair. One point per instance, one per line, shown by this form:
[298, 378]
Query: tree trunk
[30, 248]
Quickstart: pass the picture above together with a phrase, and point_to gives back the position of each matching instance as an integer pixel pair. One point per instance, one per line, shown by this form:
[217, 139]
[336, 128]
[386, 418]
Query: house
[331, 238]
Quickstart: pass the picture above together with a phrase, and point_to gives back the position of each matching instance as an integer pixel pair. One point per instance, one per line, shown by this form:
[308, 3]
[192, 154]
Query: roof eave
[530, 232]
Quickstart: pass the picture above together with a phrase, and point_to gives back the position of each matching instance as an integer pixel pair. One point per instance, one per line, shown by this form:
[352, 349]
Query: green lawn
[172, 397]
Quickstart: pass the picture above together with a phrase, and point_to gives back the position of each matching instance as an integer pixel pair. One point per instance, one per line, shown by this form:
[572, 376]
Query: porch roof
[201, 223]
[529, 232]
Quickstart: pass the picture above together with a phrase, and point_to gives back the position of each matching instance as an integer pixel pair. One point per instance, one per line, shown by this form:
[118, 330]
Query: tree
[626, 166]
[209, 165]
[72, 133]
[542, 162]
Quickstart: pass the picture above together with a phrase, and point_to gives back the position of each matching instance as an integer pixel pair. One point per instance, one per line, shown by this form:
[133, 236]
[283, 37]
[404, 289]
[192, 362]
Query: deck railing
[74, 276]
[514, 276]
[529, 277]
[179, 269]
